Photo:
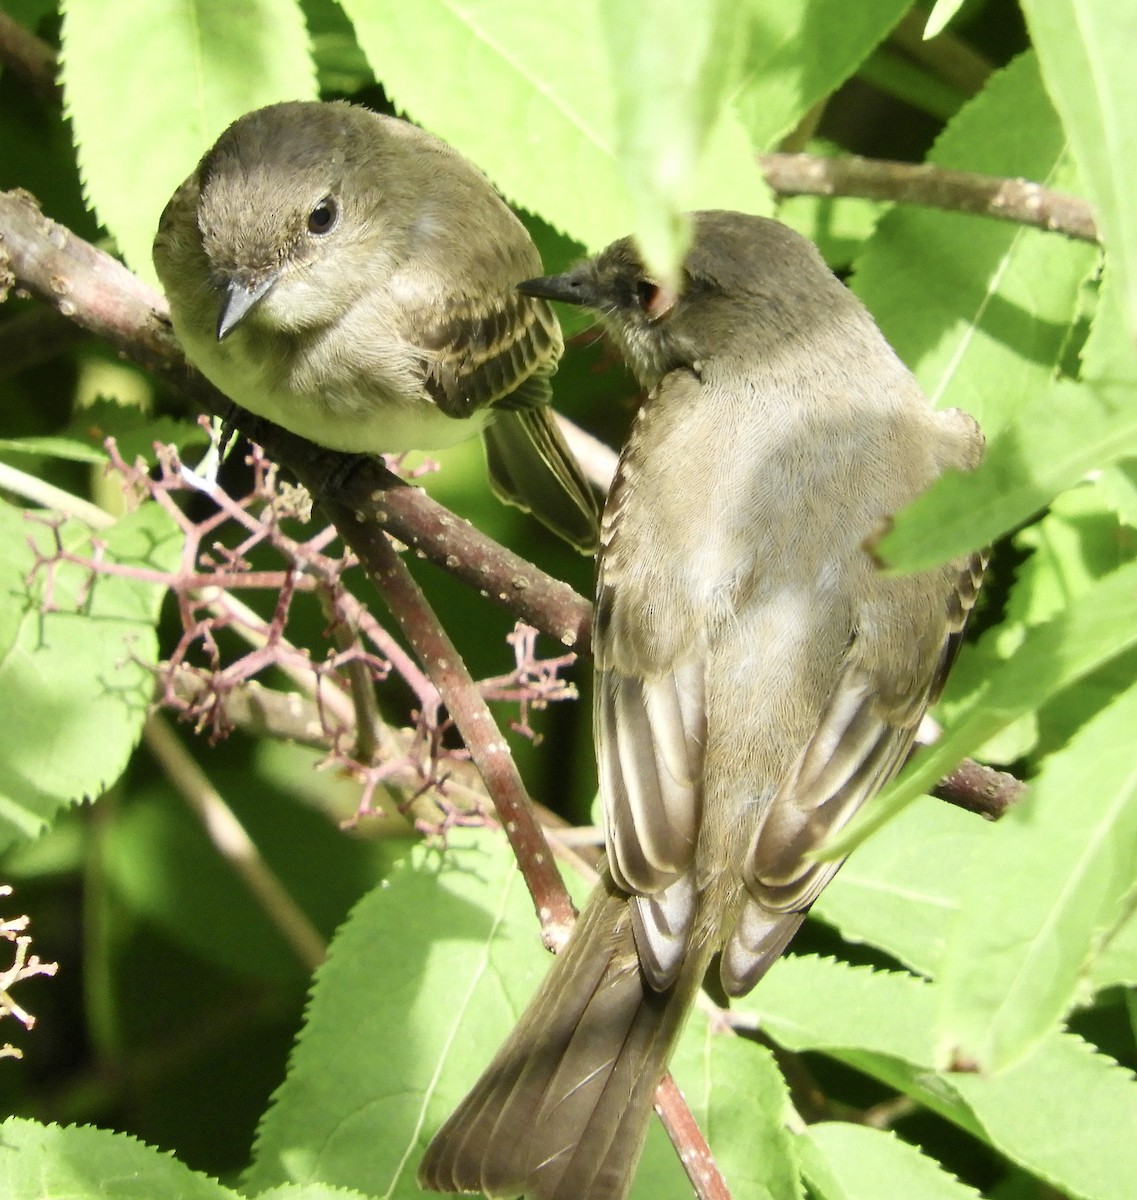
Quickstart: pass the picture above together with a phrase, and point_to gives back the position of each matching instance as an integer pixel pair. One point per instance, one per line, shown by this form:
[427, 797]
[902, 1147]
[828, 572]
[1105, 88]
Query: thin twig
[1015, 200]
[233, 843]
[39, 491]
[947, 56]
[29, 57]
[688, 1139]
[359, 679]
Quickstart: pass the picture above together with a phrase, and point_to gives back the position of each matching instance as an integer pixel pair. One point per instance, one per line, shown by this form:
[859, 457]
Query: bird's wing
[649, 744]
[531, 466]
[649, 722]
[480, 350]
[862, 739]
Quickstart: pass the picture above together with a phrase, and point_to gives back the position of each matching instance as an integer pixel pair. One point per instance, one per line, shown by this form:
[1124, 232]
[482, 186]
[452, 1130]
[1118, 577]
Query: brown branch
[981, 789]
[932, 186]
[687, 1138]
[470, 713]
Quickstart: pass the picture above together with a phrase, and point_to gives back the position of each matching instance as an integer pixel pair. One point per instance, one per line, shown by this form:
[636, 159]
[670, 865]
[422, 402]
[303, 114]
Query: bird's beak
[573, 287]
[238, 300]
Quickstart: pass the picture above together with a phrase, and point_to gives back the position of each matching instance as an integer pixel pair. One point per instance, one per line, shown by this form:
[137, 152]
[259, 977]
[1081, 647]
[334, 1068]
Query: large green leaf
[800, 53]
[50, 1162]
[421, 985]
[150, 86]
[76, 652]
[1064, 1112]
[529, 97]
[1047, 884]
[740, 1099]
[1096, 628]
[902, 888]
[1086, 51]
[844, 1161]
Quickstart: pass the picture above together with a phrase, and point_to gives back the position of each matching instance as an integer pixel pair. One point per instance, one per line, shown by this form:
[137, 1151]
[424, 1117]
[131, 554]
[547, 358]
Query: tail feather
[562, 1111]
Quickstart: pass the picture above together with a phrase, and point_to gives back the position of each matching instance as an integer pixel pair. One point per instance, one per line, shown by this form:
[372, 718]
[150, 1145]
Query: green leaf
[1117, 963]
[1085, 51]
[145, 107]
[901, 890]
[310, 1191]
[896, 75]
[52, 1162]
[662, 143]
[881, 1023]
[70, 449]
[134, 431]
[800, 53]
[854, 1162]
[1041, 890]
[1060, 435]
[429, 974]
[808, 1002]
[980, 309]
[422, 982]
[75, 659]
[1096, 628]
[529, 97]
[739, 1098]
[1119, 483]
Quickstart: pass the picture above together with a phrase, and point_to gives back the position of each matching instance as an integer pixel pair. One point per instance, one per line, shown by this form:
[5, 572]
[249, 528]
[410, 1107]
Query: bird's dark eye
[322, 219]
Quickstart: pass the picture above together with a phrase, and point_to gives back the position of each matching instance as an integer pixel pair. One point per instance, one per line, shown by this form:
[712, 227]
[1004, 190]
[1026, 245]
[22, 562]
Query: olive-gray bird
[758, 679]
[352, 278]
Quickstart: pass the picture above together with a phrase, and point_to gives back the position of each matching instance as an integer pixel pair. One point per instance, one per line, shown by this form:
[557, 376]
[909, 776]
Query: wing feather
[860, 742]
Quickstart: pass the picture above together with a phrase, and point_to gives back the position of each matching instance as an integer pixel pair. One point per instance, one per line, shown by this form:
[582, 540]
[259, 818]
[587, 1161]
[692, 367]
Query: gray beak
[573, 287]
[238, 301]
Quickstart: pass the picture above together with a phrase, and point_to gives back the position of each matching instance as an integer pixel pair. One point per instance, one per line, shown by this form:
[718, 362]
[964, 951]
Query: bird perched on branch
[352, 278]
[758, 678]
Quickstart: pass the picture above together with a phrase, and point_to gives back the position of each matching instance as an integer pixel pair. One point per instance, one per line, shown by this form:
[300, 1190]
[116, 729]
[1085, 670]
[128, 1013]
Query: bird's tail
[530, 465]
[562, 1111]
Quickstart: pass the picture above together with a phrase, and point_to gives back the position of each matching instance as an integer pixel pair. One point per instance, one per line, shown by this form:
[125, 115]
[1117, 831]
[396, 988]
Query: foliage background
[945, 941]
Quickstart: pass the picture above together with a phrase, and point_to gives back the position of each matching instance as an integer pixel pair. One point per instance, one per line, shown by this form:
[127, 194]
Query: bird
[758, 678]
[351, 277]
